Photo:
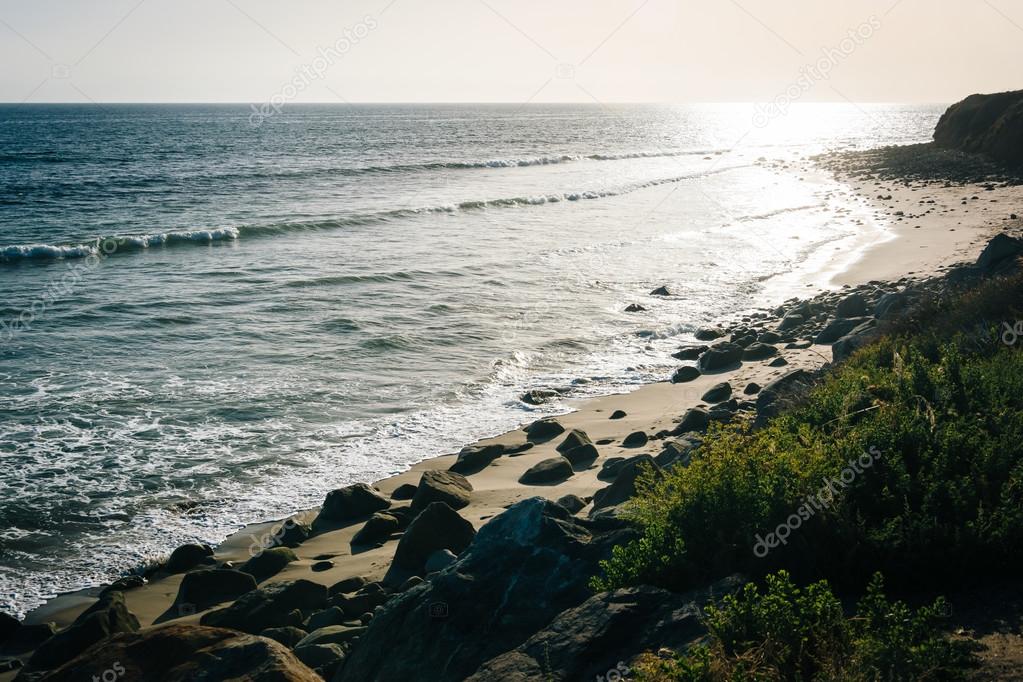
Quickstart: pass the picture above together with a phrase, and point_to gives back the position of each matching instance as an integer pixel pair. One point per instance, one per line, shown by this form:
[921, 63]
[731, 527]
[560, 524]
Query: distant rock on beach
[991, 125]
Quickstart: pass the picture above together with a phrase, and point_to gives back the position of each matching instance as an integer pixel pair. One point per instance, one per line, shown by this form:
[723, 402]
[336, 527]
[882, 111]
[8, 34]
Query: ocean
[209, 318]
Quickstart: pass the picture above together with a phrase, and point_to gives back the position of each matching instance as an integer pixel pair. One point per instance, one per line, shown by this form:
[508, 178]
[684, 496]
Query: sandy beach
[932, 225]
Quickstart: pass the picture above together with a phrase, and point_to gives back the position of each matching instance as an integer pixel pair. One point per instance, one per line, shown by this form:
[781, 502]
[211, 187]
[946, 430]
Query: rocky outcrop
[991, 125]
[608, 629]
[437, 527]
[107, 617]
[179, 653]
[269, 607]
[524, 567]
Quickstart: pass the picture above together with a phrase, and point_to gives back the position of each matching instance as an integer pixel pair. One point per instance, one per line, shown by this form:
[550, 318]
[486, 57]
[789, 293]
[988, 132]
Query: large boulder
[268, 563]
[585, 642]
[437, 527]
[475, 458]
[448, 487]
[695, 419]
[853, 305]
[718, 393]
[200, 590]
[187, 557]
[720, 356]
[350, 503]
[377, 530]
[759, 351]
[543, 430]
[780, 392]
[524, 567]
[181, 653]
[836, 329]
[991, 125]
[551, 470]
[853, 341]
[999, 250]
[624, 486]
[269, 607]
[574, 439]
[104, 619]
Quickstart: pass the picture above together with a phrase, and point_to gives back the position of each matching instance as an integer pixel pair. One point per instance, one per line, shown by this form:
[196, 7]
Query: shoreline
[650, 408]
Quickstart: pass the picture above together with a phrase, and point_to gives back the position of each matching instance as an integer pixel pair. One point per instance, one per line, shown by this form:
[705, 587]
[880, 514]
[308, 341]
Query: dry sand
[928, 238]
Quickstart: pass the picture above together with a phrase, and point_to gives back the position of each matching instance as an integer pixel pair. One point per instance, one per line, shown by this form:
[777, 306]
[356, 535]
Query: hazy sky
[507, 50]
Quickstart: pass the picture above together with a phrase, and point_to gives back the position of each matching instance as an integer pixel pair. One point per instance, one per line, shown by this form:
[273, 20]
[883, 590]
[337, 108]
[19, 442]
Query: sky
[517, 51]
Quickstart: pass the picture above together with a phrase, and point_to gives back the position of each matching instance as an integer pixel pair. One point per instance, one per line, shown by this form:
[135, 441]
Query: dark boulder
[618, 414]
[634, 308]
[890, 304]
[678, 452]
[451, 488]
[853, 341]
[836, 329]
[660, 291]
[718, 393]
[853, 305]
[636, 439]
[437, 527]
[695, 419]
[685, 374]
[582, 455]
[608, 629]
[759, 351]
[539, 396]
[790, 321]
[268, 563]
[324, 659]
[187, 557]
[689, 353]
[405, 491]
[709, 333]
[998, 250]
[269, 606]
[199, 590]
[104, 619]
[720, 356]
[186, 652]
[573, 503]
[574, 439]
[8, 626]
[348, 585]
[543, 430]
[780, 392]
[624, 486]
[475, 458]
[350, 503]
[377, 530]
[752, 388]
[525, 566]
[552, 470]
[289, 636]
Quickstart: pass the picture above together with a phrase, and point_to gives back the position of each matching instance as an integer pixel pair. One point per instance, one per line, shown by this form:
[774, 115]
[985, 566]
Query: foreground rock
[350, 503]
[437, 527]
[448, 487]
[178, 653]
[524, 567]
[552, 470]
[586, 642]
[269, 607]
[107, 617]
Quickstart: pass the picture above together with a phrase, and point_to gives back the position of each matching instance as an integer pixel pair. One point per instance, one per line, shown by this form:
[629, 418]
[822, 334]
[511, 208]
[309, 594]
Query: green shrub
[792, 633]
[943, 408]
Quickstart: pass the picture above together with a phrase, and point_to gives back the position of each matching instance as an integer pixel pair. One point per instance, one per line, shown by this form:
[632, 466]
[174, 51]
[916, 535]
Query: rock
[128, 582]
[991, 125]
[544, 430]
[437, 527]
[752, 388]
[553, 470]
[798, 345]
[618, 414]
[448, 487]
[720, 356]
[186, 652]
[269, 606]
[366, 599]
[709, 334]
[790, 321]
[333, 615]
[8, 665]
[348, 585]
[8, 626]
[853, 305]
[332, 634]
[525, 566]
[853, 341]
[778, 362]
[695, 419]
[405, 491]
[574, 439]
[202, 589]
[440, 560]
[292, 534]
[610, 468]
[836, 329]
[584, 454]
[999, 249]
[759, 351]
[289, 635]
[605, 631]
[324, 659]
[689, 353]
[890, 304]
[636, 439]
[28, 638]
[678, 452]
[660, 291]
[624, 486]
[685, 374]
[475, 458]
[634, 308]
[773, 397]
[573, 503]
[539, 396]
[187, 557]
[321, 566]
[377, 530]
[718, 393]
[350, 503]
[267, 563]
[410, 583]
[769, 337]
[104, 619]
